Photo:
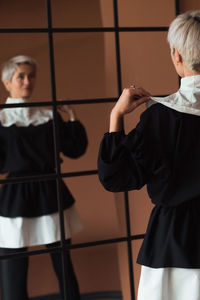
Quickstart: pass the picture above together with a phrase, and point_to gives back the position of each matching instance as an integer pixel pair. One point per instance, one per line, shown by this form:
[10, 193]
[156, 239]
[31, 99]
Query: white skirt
[169, 284]
[23, 232]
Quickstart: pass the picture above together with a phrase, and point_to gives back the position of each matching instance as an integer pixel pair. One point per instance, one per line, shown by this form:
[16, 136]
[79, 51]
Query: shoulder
[159, 110]
[160, 116]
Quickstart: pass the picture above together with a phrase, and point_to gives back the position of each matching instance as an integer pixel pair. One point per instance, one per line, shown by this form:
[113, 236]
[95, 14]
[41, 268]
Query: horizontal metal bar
[59, 102]
[109, 29]
[62, 102]
[80, 173]
[46, 177]
[105, 242]
[30, 253]
[71, 247]
[84, 29]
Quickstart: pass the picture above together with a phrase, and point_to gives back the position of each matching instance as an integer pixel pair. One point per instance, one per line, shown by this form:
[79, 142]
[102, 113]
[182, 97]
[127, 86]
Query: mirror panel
[140, 209]
[189, 5]
[103, 272]
[101, 215]
[145, 13]
[85, 65]
[41, 281]
[158, 62]
[22, 14]
[77, 13]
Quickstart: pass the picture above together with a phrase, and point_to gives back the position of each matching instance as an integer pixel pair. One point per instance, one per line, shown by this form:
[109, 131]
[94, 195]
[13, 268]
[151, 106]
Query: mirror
[85, 68]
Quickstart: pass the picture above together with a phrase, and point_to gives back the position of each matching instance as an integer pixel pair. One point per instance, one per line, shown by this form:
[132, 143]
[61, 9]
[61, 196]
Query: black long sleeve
[122, 162]
[73, 138]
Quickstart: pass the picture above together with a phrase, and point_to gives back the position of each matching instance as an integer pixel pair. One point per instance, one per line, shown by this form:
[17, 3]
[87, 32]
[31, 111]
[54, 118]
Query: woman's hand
[129, 100]
[67, 109]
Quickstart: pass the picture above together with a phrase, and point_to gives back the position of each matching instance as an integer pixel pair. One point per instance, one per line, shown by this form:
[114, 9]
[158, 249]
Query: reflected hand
[67, 109]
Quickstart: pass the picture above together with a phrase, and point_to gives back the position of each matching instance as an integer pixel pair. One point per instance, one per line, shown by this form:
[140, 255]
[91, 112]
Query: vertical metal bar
[177, 12]
[177, 7]
[67, 295]
[126, 201]
[117, 47]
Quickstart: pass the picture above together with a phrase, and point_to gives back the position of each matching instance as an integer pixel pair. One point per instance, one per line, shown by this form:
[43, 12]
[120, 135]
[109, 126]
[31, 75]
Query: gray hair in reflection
[184, 35]
[9, 67]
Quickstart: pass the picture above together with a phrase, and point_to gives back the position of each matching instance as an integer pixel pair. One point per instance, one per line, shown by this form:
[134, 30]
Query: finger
[60, 107]
[140, 92]
[142, 100]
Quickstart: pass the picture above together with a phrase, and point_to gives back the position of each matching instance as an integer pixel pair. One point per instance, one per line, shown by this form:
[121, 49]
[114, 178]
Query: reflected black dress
[29, 150]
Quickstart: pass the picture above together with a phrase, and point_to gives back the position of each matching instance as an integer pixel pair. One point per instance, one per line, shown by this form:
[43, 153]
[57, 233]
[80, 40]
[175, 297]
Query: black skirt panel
[172, 237]
[32, 199]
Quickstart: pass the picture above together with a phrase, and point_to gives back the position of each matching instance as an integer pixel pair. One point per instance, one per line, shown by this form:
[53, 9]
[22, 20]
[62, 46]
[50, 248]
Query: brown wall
[86, 68]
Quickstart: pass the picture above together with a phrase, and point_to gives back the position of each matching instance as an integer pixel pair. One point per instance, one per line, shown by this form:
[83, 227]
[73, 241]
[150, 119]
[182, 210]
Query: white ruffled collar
[24, 116]
[186, 99]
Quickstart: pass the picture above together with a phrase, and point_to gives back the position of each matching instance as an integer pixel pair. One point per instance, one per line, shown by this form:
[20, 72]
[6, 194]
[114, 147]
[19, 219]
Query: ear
[177, 56]
[6, 83]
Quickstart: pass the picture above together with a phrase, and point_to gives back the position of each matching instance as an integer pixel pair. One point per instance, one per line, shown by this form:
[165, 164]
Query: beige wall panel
[189, 5]
[97, 268]
[80, 65]
[137, 268]
[146, 62]
[140, 209]
[97, 210]
[107, 15]
[41, 277]
[76, 13]
[22, 13]
[124, 271]
[145, 13]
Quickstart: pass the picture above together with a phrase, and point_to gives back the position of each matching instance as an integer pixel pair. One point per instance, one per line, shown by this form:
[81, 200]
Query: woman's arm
[121, 163]
[67, 109]
[129, 100]
[73, 137]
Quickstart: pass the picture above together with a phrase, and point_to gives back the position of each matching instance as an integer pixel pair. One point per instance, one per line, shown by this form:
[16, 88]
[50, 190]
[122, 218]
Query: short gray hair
[184, 35]
[9, 67]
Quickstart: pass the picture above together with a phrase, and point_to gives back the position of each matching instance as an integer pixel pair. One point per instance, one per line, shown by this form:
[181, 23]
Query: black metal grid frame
[58, 175]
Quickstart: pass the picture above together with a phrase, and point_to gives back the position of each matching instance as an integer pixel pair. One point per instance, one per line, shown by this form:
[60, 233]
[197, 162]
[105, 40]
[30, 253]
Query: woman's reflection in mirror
[28, 210]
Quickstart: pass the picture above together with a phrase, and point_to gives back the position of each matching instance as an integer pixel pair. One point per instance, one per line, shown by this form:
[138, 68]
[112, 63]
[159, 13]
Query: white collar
[186, 99]
[23, 116]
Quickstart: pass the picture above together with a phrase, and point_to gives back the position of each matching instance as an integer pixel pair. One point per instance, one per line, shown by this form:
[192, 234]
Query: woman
[29, 210]
[163, 152]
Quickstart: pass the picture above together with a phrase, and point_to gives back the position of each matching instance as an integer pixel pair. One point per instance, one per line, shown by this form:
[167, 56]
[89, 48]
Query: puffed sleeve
[124, 161]
[73, 138]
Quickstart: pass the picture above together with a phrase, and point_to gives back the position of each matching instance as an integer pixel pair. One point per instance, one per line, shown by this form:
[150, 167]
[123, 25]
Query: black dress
[163, 152]
[29, 150]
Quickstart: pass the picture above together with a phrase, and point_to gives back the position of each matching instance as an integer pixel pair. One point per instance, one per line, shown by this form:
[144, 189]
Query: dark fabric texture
[163, 153]
[30, 151]
[13, 275]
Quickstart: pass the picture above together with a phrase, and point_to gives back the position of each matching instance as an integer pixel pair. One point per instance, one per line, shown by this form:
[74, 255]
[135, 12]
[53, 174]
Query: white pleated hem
[23, 232]
[169, 284]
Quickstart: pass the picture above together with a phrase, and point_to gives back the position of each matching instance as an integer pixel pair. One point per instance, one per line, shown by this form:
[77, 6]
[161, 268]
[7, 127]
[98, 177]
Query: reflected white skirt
[169, 284]
[23, 232]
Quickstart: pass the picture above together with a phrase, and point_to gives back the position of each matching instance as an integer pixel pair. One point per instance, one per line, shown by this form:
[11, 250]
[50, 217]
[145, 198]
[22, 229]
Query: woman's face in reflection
[22, 83]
